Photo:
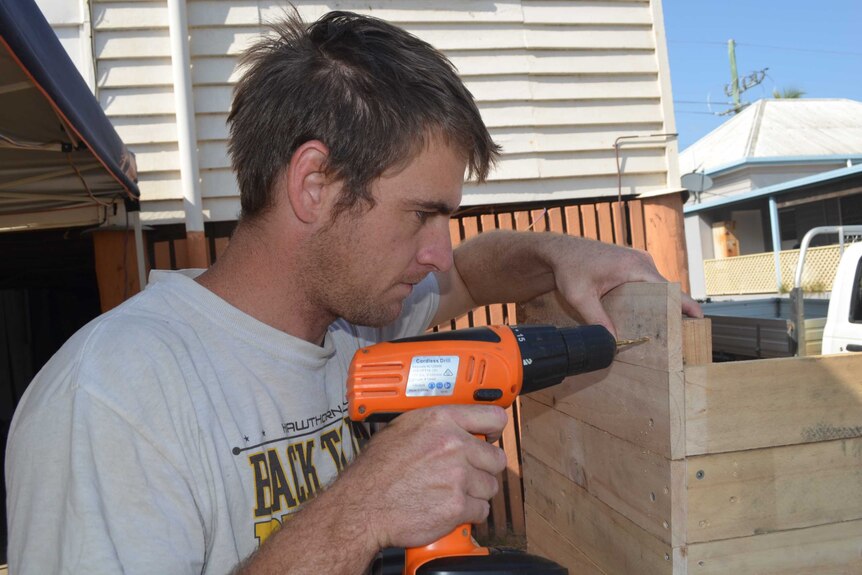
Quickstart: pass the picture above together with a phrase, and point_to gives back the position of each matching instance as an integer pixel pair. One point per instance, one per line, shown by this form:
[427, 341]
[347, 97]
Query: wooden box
[668, 464]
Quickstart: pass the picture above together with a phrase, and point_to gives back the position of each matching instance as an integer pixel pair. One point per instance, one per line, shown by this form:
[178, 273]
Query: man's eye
[423, 216]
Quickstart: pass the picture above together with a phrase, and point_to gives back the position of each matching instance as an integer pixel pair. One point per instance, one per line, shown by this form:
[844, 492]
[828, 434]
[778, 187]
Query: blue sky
[815, 46]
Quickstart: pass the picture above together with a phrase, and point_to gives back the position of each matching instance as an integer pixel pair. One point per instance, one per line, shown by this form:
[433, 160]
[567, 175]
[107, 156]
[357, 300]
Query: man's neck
[263, 280]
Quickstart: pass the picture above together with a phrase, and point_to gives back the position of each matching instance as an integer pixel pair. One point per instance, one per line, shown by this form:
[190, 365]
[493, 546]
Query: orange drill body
[393, 377]
[488, 365]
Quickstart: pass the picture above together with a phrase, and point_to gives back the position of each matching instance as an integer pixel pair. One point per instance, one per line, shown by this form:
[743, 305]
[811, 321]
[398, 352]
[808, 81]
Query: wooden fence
[599, 221]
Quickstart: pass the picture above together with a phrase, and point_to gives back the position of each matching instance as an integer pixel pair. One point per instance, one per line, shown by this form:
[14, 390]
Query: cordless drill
[481, 365]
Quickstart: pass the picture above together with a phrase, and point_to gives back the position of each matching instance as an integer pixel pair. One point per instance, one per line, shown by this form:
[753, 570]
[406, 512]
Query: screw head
[700, 474]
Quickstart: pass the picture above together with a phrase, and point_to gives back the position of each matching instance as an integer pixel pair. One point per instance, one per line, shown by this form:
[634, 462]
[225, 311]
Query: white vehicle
[843, 330]
[782, 327]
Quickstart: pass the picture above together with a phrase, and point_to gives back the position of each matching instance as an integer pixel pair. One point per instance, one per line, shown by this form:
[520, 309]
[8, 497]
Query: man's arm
[417, 479]
[504, 266]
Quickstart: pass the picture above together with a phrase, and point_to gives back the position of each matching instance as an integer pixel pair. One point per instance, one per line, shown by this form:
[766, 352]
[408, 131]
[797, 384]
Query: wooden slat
[546, 541]
[589, 225]
[636, 222]
[573, 221]
[665, 237]
[822, 550]
[627, 478]
[115, 262]
[696, 341]
[630, 402]
[608, 538]
[513, 469]
[753, 404]
[555, 220]
[606, 225]
[775, 489]
[163, 255]
[620, 219]
[506, 221]
[539, 221]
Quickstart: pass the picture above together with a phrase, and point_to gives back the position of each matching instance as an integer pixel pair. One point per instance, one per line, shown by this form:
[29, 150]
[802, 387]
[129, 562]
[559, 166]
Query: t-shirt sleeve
[103, 511]
[90, 493]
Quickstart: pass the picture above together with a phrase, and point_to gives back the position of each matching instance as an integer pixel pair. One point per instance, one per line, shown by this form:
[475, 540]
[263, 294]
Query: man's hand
[505, 266]
[585, 273]
[426, 473]
[418, 479]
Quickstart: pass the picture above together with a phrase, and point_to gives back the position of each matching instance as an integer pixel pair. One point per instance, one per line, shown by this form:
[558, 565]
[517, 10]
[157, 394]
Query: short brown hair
[370, 91]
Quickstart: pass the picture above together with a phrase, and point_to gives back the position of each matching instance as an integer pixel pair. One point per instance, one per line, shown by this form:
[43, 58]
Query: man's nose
[437, 248]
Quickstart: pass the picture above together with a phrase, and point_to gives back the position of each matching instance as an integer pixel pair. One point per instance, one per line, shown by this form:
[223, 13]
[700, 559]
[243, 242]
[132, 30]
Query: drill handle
[457, 543]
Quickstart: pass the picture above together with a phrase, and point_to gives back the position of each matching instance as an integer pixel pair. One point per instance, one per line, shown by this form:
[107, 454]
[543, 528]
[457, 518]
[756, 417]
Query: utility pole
[736, 88]
[734, 77]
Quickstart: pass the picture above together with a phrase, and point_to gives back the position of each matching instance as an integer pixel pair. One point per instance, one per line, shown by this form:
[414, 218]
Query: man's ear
[306, 182]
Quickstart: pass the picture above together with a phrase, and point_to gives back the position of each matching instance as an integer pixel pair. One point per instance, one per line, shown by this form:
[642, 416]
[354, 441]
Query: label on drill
[432, 375]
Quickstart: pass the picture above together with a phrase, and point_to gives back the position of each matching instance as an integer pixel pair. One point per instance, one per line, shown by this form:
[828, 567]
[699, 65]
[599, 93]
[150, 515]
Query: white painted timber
[556, 81]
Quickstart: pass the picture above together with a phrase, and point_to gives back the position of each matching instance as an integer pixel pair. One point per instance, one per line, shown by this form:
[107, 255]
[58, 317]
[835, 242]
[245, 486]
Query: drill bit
[627, 342]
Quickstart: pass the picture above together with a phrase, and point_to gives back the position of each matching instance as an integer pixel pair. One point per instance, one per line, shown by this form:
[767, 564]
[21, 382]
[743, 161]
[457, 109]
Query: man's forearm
[503, 266]
[327, 536]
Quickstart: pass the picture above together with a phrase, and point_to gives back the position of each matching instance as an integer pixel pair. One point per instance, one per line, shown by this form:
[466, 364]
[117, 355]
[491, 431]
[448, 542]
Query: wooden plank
[506, 221]
[609, 539]
[630, 480]
[665, 237]
[825, 549]
[620, 218]
[638, 309]
[696, 341]
[636, 222]
[163, 255]
[606, 225]
[513, 470]
[588, 221]
[630, 402]
[539, 220]
[760, 403]
[775, 489]
[555, 220]
[115, 262]
[573, 221]
[548, 542]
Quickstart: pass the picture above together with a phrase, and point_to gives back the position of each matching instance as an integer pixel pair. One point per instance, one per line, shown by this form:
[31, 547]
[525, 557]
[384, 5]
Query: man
[183, 431]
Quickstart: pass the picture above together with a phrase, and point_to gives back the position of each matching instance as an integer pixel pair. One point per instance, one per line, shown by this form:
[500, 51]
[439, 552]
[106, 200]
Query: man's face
[366, 263]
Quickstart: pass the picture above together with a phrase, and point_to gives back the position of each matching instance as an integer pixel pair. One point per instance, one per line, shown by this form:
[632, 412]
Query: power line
[814, 50]
[769, 46]
[702, 102]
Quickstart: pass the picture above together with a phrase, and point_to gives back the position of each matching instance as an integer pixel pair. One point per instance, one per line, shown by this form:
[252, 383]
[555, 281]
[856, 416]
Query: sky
[814, 46]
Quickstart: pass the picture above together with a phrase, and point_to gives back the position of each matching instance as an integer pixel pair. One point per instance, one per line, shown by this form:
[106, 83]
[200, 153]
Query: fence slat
[636, 220]
[573, 221]
[588, 221]
[555, 220]
[606, 224]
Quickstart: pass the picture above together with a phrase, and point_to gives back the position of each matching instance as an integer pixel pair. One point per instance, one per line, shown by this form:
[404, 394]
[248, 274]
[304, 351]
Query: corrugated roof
[779, 128]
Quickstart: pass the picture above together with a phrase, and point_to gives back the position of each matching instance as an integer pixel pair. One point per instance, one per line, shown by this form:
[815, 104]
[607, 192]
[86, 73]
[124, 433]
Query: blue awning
[58, 150]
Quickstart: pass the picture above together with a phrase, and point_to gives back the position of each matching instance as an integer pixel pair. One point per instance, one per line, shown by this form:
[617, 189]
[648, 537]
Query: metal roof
[779, 129]
[776, 190]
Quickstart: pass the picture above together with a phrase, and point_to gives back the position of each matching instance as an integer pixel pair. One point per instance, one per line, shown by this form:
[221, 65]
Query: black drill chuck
[550, 354]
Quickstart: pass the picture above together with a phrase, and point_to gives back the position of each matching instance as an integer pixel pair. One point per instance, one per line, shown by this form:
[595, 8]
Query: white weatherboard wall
[557, 82]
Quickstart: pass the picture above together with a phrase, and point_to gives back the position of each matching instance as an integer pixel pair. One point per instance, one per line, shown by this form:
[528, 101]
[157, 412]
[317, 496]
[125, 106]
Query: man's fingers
[593, 312]
[690, 307]
[478, 419]
[486, 457]
[476, 510]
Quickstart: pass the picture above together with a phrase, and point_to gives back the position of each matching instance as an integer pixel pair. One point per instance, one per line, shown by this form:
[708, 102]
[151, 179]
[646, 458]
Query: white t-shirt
[174, 433]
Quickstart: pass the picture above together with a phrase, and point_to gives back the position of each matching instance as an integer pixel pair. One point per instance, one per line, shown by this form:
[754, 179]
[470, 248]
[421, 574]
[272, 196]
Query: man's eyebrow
[432, 206]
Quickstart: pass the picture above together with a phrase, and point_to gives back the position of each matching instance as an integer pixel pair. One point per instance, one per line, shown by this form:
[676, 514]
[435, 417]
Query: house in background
[778, 169]
[558, 84]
